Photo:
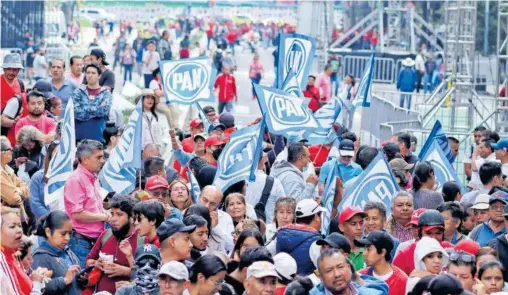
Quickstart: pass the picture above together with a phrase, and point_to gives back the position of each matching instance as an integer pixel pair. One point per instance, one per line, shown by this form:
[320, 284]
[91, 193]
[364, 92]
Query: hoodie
[296, 239]
[424, 247]
[58, 260]
[371, 286]
[293, 181]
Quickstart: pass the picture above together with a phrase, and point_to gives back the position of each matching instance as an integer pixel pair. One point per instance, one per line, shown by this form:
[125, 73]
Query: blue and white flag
[206, 123]
[363, 94]
[283, 112]
[60, 167]
[326, 117]
[188, 81]
[328, 197]
[291, 85]
[376, 183]
[437, 134]
[238, 160]
[119, 172]
[296, 53]
[195, 190]
[442, 169]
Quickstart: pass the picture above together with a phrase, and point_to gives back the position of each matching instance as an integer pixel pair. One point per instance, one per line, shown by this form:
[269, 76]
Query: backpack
[109, 233]
[260, 206]
[5, 130]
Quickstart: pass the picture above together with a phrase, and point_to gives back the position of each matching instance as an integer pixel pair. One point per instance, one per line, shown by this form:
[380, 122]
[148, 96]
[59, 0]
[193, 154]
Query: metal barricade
[383, 71]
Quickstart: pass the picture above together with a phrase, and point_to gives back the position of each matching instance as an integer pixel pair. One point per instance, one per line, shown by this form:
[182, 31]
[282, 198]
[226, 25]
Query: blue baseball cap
[502, 144]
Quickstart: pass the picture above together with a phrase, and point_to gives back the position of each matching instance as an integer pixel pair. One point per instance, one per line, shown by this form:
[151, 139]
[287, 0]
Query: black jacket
[501, 245]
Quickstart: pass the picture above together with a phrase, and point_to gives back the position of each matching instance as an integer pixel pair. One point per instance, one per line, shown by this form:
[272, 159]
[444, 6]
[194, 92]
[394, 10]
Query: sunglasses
[465, 257]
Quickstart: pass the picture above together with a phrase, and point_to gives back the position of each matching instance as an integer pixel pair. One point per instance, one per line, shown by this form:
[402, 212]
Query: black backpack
[5, 130]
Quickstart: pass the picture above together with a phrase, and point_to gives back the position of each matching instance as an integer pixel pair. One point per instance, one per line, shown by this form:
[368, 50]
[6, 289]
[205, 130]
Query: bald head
[211, 197]
[151, 150]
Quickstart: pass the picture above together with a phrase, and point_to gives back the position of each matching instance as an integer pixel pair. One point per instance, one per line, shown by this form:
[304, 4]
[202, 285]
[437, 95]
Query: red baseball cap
[416, 214]
[155, 182]
[468, 246]
[213, 140]
[349, 213]
[195, 123]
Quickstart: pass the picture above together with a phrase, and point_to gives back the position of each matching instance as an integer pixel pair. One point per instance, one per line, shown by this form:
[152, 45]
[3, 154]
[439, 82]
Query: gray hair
[28, 134]
[402, 194]
[87, 147]
[5, 144]
[371, 205]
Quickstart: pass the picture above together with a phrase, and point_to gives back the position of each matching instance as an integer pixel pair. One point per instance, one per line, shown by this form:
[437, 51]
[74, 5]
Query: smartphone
[86, 269]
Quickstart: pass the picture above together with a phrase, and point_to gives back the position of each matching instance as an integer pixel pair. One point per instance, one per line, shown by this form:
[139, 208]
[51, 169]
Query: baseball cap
[261, 269]
[219, 126]
[445, 284]
[416, 215]
[208, 109]
[431, 219]
[172, 226]
[505, 214]
[379, 238]
[400, 164]
[502, 144]
[227, 119]
[493, 199]
[44, 87]
[195, 123]
[148, 250]
[175, 270]
[155, 182]
[468, 246]
[337, 241]
[308, 207]
[99, 53]
[285, 265]
[349, 213]
[213, 140]
[202, 135]
[346, 148]
[481, 202]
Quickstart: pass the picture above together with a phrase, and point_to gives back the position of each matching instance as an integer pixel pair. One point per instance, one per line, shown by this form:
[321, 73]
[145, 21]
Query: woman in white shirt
[154, 123]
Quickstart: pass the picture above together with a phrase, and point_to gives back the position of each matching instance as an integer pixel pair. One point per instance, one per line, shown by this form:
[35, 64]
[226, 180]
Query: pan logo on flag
[187, 80]
[284, 111]
[237, 158]
[382, 191]
[295, 59]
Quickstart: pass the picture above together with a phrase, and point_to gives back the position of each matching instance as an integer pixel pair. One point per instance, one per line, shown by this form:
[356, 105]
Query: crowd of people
[259, 237]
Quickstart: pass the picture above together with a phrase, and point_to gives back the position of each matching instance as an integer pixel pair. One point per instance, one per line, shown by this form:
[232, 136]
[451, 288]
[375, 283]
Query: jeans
[419, 76]
[255, 81]
[208, 43]
[427, 83]
[127, 73]
[228, 105]
[232, 46]
[335, 79]
[404, 97]
[81, 248]
[148, 79]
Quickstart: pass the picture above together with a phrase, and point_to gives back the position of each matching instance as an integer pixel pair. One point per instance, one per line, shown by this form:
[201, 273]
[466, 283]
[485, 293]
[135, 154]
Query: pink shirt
[82, 193]
[254, 69]
[45, 124]
[76, 80]
[324, 83]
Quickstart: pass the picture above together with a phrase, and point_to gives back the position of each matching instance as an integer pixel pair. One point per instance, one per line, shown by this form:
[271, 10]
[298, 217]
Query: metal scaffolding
[502, 61]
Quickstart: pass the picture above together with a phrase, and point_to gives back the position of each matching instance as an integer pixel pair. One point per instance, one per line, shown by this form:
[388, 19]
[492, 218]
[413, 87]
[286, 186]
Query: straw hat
[408, 62]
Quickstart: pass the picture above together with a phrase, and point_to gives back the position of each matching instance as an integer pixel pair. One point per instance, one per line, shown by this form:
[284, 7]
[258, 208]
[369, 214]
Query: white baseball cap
[308, 207]
[285, 265]
[481, 202]
[175, 270]
[261, 269]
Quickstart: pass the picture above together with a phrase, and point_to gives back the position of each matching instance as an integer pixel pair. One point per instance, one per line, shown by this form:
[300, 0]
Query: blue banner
[195, 190]
[291, 86]
[363, 94]
[207, 125]
[329, 195]
[442, 169]
[437, 134]
[326, 117]
[376, 183]
[239, 158]
[283, 112]
[60, 167]
[188, 81]
[119, 172]
[296, 52]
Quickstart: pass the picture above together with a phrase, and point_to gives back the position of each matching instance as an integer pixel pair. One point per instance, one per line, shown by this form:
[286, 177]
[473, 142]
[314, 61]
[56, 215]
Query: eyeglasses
[467, 258]
[497, 207]
[159, 194]
[217, 283]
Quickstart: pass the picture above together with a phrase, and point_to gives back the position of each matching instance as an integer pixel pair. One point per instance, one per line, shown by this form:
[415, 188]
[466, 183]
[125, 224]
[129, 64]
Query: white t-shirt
[11, 108]
[504, 168]
[39, 63]
[154, 62]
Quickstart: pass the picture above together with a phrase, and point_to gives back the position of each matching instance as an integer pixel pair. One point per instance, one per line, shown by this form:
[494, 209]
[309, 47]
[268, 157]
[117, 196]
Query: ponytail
[53, 221]
[423, 171]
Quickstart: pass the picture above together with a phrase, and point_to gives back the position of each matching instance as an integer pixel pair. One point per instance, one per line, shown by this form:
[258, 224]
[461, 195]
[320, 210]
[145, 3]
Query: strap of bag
[266, 190]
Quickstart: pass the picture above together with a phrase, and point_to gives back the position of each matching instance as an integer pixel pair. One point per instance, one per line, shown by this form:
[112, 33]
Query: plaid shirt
[400, 232]
[86, 109]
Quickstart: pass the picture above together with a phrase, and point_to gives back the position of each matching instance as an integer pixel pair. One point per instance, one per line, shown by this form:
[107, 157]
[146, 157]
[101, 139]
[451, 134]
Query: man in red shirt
[430, 224]
[378, 246]
[232, 39]
[196, 127]
[37, 117]
[227, 89]
[312, 92]
[13, 102]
